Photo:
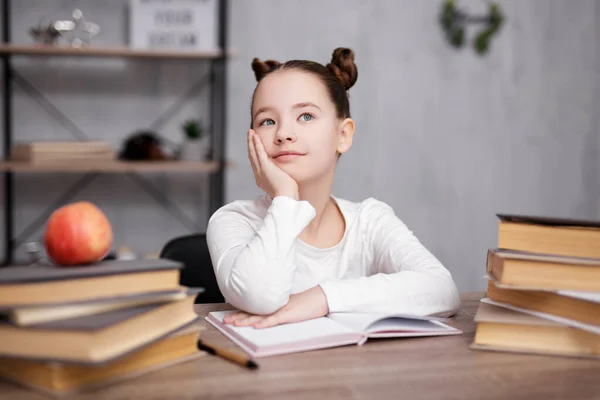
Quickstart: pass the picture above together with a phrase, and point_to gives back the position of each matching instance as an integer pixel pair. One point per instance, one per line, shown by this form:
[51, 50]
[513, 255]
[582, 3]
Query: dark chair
[192, 251]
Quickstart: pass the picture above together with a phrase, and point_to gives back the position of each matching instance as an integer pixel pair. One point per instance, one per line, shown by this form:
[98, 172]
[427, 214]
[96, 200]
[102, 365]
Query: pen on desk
[229, 355]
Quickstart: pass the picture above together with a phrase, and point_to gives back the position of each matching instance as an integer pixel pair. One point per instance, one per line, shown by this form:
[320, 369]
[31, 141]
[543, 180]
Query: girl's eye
[267, 122]
[306, 117]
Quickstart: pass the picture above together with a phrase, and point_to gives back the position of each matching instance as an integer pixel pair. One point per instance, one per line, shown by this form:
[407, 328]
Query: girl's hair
[338, 76]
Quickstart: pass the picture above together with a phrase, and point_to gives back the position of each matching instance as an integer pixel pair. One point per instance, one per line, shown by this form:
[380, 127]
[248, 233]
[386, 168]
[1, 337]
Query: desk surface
[416, 368]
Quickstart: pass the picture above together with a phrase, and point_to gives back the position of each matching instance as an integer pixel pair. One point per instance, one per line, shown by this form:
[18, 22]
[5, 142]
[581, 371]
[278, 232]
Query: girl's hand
[269, 177]
[309, 304]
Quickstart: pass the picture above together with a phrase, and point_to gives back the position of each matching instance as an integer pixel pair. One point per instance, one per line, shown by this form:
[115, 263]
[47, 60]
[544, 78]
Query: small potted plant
[195, 146]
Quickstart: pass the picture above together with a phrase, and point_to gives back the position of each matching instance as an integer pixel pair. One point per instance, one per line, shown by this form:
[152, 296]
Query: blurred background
[446, 136]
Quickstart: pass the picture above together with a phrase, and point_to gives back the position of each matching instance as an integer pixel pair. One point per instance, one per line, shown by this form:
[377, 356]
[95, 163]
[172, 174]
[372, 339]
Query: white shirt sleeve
[405, 276]
[254, 261]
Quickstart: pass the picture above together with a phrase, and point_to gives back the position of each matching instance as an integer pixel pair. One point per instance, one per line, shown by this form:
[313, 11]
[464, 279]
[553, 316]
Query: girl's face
[297, 122]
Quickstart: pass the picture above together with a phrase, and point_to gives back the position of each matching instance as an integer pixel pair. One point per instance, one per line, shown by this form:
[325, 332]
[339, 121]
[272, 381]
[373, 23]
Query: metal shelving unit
[215, 167]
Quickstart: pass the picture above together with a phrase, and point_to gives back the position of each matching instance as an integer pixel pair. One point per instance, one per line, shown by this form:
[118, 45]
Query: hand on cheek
[268, 176]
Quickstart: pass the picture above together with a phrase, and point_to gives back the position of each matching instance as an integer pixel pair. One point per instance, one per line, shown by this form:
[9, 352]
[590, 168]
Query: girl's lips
[287, 153]
[288, 156]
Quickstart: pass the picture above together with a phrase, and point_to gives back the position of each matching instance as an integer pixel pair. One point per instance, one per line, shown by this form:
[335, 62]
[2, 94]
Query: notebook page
[561, 320]
[287, 333]
[593, 297]
[407, 325]
[363, 322]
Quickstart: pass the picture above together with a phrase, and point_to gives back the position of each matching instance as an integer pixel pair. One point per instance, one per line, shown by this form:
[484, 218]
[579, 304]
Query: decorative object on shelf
[195, 146]
[193, 129]
[188, 25]
[78, 31]
[49, 151]
[44, 33]
[125, 253]
[34, 252]
[454, 22]
[143, 146]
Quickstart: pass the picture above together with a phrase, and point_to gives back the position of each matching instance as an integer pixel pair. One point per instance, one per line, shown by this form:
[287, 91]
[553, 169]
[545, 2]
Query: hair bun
[261, 68]
[343, 67]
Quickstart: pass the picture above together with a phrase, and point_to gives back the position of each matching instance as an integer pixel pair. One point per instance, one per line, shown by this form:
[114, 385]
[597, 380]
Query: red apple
[77, 234]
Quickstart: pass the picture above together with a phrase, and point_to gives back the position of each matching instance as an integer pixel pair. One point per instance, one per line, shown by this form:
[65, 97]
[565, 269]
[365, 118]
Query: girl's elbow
[267, 304]
[253, 294]
[449, 300]
[257, 301]
[261, 303]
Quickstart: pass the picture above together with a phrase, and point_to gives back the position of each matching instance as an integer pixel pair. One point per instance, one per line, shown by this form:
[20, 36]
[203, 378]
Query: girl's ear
[346, 133]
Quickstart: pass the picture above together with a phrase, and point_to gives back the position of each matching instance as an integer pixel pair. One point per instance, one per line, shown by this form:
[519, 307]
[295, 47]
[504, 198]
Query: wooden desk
[417, 368]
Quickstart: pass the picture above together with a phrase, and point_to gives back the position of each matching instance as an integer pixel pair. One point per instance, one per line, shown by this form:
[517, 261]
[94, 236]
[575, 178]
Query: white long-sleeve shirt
[378, 266]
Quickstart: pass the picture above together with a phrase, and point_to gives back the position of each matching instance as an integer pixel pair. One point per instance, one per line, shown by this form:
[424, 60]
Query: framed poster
[190, 25]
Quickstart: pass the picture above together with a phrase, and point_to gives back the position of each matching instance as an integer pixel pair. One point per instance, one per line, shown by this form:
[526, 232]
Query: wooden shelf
[124, 52]
[111, 167]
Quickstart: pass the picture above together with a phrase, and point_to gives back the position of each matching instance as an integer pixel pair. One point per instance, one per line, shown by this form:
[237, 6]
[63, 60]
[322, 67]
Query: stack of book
[543, 293]
[57, 151]
[68, 329]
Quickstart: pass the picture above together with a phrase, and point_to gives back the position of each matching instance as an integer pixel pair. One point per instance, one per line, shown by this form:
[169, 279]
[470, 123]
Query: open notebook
[337, 329]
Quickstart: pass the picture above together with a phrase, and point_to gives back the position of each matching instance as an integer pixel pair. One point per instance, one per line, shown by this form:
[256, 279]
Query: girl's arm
[253, 259]
[405, 276]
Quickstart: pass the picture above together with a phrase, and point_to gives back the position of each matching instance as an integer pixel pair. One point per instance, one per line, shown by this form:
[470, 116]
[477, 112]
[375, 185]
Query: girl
[298, 252]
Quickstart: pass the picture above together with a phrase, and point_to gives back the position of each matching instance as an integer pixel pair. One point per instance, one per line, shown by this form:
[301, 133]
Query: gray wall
[446, 137]
[595, 172]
